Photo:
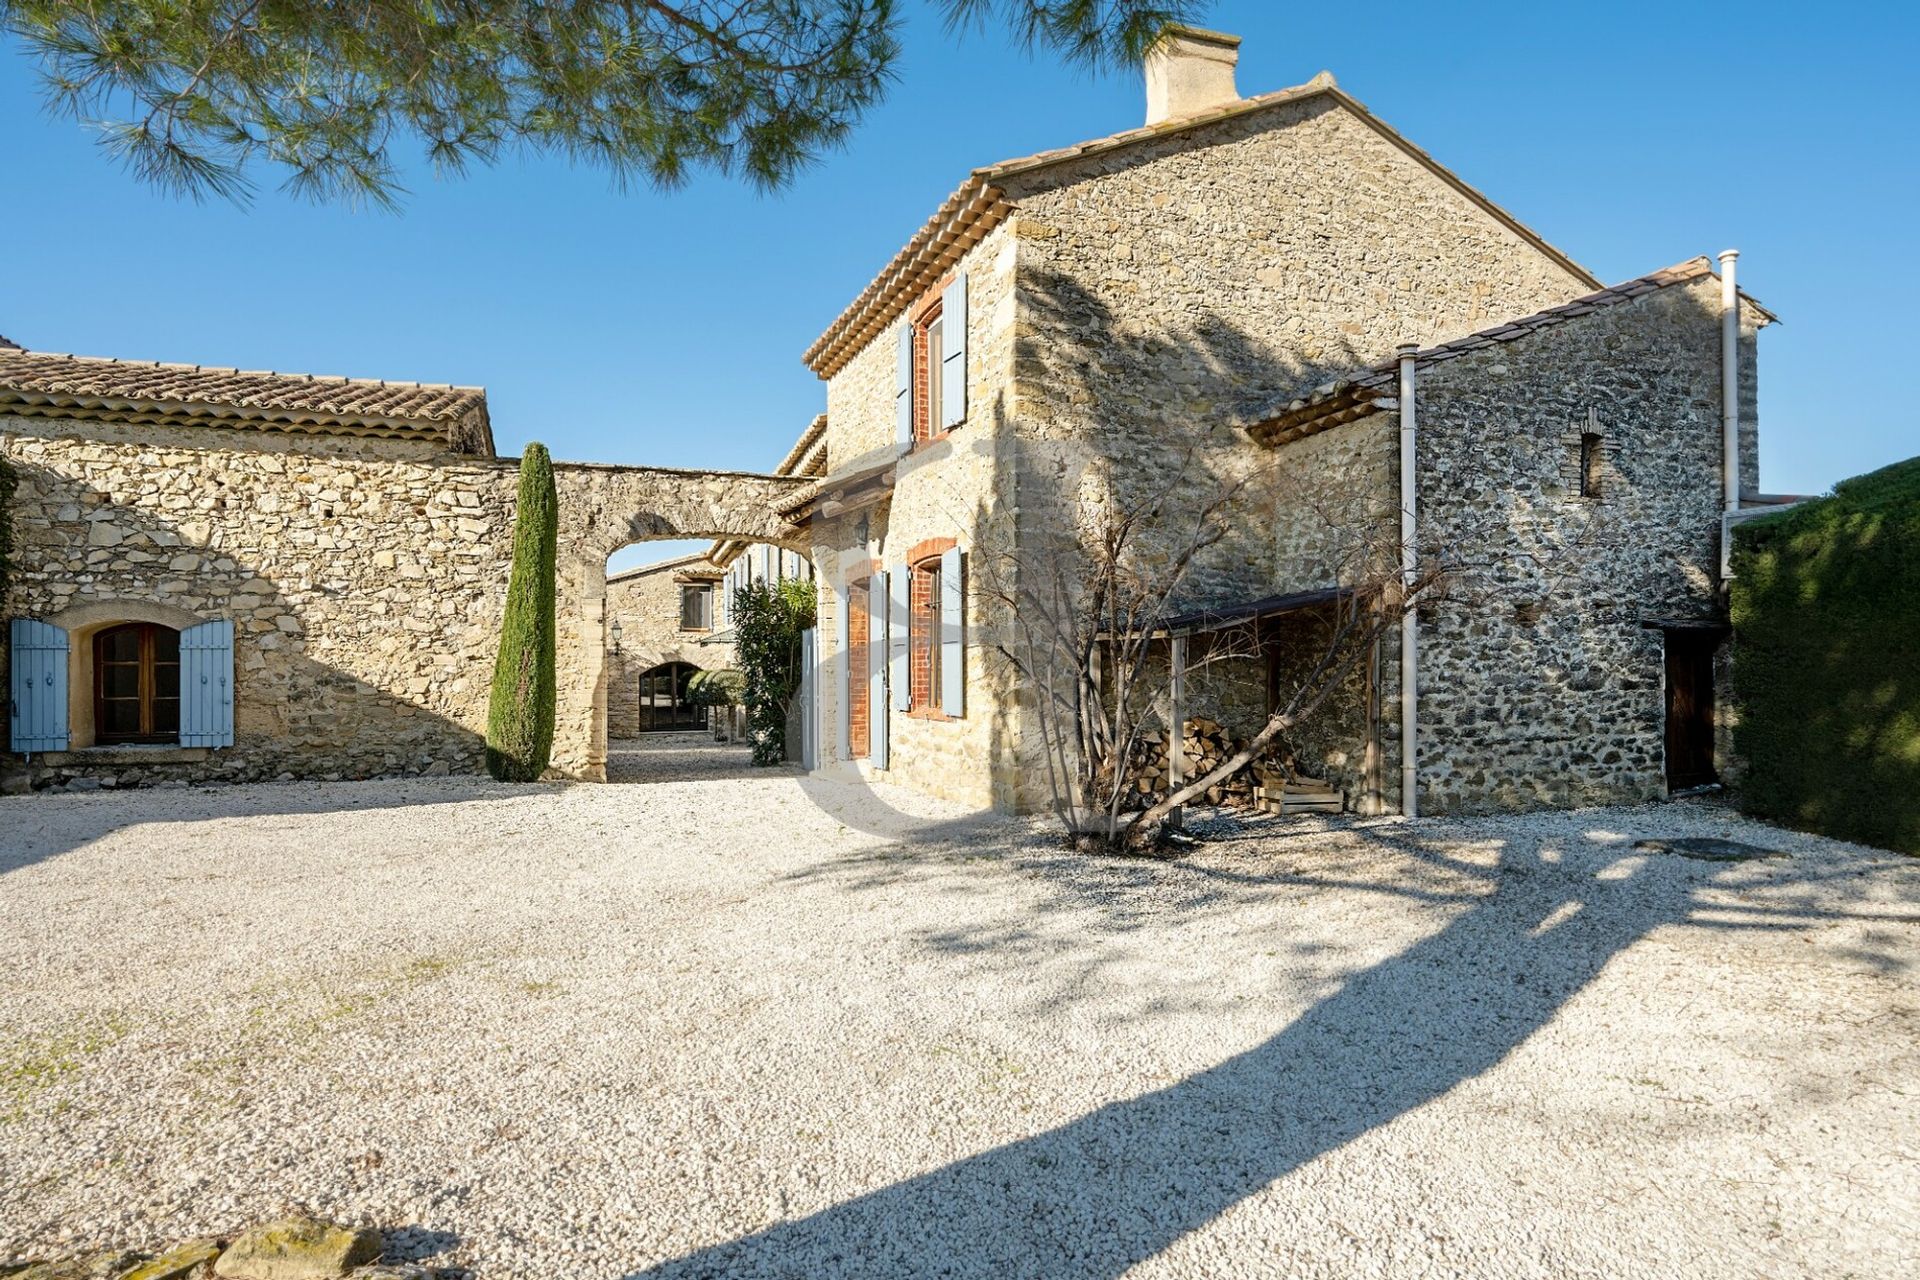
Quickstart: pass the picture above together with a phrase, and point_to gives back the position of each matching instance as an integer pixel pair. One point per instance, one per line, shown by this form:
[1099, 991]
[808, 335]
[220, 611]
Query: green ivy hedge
[1826, 661]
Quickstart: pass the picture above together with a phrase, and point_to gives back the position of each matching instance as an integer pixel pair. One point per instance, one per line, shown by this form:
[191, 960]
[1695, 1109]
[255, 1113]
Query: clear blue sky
[667, 328]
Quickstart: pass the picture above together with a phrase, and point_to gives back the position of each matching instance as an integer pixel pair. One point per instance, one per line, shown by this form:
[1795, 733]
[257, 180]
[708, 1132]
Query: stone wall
[1541, 684]
[646, 603]
[1181, 285]
[365, 590]
[365, 593]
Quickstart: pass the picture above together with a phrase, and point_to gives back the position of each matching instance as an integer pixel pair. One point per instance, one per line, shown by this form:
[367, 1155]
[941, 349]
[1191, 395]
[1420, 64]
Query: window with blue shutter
[953, 669]
[37, 686]
[877, 670]
[953, 356]
[206, 685]
[903, 391]
[898, 584]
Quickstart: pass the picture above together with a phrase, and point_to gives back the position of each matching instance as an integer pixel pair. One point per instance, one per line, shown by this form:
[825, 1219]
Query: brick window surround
[923, 628]
[926, 399]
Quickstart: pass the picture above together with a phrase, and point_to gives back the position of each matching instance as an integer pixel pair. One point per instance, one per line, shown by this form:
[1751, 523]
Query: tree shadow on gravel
[40, 827]
[1538, 921]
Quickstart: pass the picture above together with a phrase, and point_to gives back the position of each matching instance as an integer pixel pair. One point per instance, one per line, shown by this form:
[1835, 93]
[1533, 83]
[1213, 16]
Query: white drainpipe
[1409, 570]
[1729, 403]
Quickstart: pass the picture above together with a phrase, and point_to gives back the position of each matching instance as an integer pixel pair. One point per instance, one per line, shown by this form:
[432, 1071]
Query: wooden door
[1690, 707]
[858, 649]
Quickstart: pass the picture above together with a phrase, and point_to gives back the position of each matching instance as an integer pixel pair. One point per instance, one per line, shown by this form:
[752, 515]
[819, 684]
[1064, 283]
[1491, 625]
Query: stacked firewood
[1206, 744]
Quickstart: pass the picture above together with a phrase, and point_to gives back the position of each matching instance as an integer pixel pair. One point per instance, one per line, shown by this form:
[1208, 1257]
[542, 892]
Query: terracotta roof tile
[49, 384]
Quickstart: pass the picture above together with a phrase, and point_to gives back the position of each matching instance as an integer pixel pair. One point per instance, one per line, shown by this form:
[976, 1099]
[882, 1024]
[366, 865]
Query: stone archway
[605, 508]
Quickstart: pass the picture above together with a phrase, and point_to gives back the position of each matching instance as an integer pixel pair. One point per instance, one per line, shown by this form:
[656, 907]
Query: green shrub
[767, 623]
[520, 710]
[721, 688]
[1826, 608]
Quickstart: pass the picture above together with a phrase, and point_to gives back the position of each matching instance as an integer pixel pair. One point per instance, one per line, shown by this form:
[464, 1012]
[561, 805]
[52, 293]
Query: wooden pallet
[1298, 795]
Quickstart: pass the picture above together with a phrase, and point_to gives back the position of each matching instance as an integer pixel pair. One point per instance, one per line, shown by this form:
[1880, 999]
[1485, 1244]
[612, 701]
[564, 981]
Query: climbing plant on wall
[768, 620]
[520, 709]
[1826, 605]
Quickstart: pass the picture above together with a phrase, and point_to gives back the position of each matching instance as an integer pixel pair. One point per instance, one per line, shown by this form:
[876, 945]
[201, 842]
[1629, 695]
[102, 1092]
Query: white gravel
[729, 1022]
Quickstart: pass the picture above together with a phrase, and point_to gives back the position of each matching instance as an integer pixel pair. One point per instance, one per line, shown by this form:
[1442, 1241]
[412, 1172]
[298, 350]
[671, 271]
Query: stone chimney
[1190, 71]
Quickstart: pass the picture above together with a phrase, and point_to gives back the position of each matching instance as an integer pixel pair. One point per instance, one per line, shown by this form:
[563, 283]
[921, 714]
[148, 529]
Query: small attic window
[1592, 464]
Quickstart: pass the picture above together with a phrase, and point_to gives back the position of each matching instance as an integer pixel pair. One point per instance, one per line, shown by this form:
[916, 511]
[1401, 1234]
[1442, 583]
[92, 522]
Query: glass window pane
[120, 680]
[122, 644]
[119, 717]
[166, 680]
[166, 644]
[166, 715]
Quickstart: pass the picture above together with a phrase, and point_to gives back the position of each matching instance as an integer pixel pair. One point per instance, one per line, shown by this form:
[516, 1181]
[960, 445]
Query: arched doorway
[665, 703]
[603, 510]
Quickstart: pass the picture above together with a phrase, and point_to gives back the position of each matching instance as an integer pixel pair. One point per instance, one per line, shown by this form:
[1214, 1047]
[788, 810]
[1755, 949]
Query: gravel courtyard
[728, 1022]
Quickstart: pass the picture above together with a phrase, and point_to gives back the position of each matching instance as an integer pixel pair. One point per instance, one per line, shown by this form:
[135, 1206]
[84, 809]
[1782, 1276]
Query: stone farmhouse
[220, 574]
[1271, 286]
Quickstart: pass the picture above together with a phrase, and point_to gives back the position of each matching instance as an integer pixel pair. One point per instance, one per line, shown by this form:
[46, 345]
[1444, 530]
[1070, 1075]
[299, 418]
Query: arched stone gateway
[604, 508]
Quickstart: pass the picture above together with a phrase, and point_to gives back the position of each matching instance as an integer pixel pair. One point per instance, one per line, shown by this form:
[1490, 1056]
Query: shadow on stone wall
[92, 556]
[1161, 405]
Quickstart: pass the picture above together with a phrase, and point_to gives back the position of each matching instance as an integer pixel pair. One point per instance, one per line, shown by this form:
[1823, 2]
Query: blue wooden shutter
[877, 670]
[38, 686]
[843, 657]
[899, 676]
[953, 364]
[953, 634]
[903, 391]
[206, 685]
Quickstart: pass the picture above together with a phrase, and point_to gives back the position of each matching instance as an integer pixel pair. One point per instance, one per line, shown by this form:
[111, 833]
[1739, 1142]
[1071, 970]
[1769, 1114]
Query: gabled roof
[807, 457]
[50, 385]
[695, 565]
[979, 204]
[1353, 396]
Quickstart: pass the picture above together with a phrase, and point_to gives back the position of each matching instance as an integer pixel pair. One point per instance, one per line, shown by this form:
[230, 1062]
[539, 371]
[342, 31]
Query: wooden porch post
[1177, 726]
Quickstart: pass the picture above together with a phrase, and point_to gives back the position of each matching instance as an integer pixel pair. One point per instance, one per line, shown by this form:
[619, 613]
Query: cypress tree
[520, 711]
